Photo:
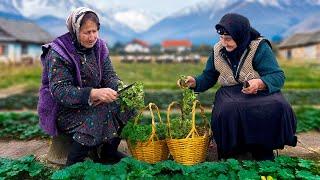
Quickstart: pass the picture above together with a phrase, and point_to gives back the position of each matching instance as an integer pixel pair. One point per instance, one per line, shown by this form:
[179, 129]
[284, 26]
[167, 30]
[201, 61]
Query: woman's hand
[190, 82]
[103, 95]
[255, 86]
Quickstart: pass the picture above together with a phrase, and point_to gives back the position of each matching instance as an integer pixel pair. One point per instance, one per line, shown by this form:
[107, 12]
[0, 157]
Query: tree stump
[59, 149]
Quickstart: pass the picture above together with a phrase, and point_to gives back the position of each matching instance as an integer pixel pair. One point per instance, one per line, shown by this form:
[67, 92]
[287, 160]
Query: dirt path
[39, 148]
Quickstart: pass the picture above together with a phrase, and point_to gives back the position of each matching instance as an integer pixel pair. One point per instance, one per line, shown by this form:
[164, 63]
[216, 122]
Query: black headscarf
[238, 27]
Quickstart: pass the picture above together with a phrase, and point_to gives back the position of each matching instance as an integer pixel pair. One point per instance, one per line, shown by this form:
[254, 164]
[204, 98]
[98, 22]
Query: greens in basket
[180, 129]
[132, 98]
[188, 97]
[141, 132]
[187, 101]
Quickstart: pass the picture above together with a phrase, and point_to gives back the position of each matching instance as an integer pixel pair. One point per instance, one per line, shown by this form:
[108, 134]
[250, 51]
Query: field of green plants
[19, 121]
[299, 75]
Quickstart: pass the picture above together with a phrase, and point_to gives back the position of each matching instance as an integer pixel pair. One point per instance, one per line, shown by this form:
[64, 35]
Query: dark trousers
[79, 152]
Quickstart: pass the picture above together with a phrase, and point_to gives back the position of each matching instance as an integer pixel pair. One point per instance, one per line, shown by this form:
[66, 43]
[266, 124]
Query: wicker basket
[154, 150]
[192, 149]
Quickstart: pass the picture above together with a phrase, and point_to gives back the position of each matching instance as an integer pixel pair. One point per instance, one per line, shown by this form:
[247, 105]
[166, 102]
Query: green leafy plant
[23, 125]
[180, 129]
[181, 126]
[283, 167]
[23, 168]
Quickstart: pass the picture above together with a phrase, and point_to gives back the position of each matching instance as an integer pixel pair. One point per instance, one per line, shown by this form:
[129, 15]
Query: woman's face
[88, 34]
[228, 42]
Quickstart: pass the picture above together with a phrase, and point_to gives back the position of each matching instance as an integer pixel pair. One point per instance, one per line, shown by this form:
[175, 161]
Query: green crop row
[24, 125]
[282, 167]
[162, 98]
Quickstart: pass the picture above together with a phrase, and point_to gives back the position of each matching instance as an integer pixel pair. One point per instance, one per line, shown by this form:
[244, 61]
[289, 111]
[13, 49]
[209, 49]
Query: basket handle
[168, 115]
[193, 130]
[153, 124]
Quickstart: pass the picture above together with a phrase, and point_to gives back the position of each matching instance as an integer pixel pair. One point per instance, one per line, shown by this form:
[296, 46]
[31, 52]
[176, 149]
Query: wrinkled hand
[255, 86]
[188, 82]
[103, 95]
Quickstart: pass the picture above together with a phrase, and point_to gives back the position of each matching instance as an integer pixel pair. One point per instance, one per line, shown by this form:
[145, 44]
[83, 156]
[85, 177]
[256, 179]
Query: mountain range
[275, 19]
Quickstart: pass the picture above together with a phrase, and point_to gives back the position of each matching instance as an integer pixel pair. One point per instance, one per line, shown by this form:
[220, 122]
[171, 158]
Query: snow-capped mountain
[273, 18]
[34, 9]
[137, 20]
[51, 15]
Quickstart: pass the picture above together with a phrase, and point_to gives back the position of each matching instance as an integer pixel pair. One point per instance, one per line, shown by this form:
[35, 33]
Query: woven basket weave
[154, 150]
[192, 149]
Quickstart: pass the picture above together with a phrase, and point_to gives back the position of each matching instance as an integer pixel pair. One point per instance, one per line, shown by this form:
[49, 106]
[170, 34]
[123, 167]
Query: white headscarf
[74, 19]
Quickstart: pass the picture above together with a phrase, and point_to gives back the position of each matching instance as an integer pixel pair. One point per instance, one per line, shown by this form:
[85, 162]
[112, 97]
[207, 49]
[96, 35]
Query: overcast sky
[163, 7]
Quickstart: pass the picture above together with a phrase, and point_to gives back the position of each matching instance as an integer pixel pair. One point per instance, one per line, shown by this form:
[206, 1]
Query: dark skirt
[240, 120]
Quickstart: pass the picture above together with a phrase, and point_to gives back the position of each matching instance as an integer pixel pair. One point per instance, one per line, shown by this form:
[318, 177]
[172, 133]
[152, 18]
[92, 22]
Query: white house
[137, 46]
[21, 39]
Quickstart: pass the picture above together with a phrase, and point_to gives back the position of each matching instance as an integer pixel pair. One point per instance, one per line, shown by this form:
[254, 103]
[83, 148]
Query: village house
[21, 40]
[177, 46]
[137, 46]
[305, 46]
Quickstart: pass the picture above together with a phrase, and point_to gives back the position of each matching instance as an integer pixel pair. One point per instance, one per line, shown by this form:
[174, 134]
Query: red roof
[142, 43]
[176, 43]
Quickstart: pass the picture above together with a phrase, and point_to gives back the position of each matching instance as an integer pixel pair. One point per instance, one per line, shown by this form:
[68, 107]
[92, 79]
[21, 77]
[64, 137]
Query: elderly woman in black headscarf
[250, 114]
[79, 90]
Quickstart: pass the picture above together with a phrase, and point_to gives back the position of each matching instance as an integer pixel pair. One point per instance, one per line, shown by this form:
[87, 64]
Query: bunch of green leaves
[188, 97]
[179, 128]
[141, 132]
[132, 98]
[23, 168]
[22, 125]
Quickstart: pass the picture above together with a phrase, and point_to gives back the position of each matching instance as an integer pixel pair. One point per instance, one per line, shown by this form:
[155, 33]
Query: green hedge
[282, 167]
[163, 98]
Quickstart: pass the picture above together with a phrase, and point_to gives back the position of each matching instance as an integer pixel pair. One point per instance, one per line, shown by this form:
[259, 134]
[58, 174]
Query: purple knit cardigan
[64, 46]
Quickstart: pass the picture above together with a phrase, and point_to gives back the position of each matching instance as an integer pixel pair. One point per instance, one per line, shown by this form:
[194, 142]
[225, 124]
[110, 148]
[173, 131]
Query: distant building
[21, 39]
[137, 46]
[301, 46]
[176, 46]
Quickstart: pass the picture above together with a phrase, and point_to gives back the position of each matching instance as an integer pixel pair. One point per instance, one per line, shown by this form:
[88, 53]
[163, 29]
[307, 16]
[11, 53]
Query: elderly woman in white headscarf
[79, 90]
